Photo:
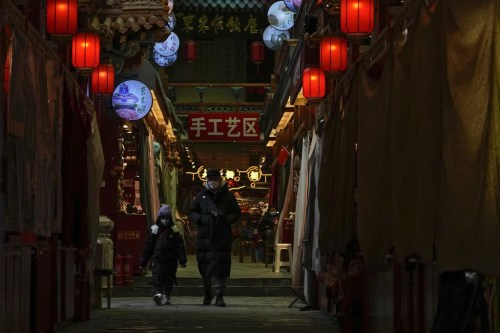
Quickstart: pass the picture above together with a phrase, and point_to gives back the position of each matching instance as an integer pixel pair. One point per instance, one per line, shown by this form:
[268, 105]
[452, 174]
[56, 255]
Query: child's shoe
[165, 300]
[207, 300]
[157, 299]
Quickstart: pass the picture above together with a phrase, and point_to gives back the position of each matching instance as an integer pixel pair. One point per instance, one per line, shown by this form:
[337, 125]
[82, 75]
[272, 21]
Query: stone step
[198, 291]
[193, 287]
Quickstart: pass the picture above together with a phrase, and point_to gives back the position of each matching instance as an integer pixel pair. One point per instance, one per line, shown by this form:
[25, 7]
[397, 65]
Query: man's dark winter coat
[214, 212]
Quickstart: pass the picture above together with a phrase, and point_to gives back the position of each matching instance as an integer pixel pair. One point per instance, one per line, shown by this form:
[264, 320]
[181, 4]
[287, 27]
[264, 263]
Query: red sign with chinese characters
[242, 126]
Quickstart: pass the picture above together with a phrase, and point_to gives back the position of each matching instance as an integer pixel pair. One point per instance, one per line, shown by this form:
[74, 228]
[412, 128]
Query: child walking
[165, 247]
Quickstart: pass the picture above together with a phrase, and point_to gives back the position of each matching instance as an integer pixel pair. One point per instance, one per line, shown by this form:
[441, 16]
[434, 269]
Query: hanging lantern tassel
[103, 79]
[258, 54]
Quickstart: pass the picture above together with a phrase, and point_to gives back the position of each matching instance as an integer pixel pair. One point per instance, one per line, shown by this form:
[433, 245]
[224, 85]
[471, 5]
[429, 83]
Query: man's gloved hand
[215, 211]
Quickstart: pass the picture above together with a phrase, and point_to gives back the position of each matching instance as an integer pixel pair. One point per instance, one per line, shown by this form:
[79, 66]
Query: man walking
[214, 210]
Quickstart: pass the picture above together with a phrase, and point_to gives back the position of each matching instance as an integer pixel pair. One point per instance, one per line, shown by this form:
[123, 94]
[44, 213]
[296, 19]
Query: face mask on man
[163, 221]
[272, 212]
[213, 184]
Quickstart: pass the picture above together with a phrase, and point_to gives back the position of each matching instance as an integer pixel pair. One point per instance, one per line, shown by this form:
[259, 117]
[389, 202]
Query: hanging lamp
[6, 72]
[103, 79]
[190, 50]
[86, 49]
[333, 54]
[257, 53]
[356, 16]
[313, 83]
[62, 17]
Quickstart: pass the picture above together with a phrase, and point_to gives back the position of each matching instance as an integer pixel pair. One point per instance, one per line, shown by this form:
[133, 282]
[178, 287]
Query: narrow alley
[187, 314]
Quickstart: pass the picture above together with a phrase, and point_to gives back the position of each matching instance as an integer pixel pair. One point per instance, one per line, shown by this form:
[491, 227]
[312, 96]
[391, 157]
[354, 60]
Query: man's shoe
[165, 300]
[208, 299]
[219, 301]
[157, 299]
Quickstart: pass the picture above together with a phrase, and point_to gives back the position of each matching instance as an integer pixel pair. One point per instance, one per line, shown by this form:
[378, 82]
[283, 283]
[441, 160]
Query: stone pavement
[242, 314]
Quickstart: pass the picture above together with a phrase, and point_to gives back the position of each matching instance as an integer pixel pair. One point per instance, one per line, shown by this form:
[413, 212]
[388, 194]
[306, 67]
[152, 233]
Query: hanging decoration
[62, 17]
[171, 22]
[6, 72]
[103, 79]
[170, 4]
[86, 50]
[190, 51]
[293, 5]
[257, 54]
[273, 38]
[283, 155]
[313, 83]
[169, 46]
[279, 16]
[356, 16]
[333, 54]
[163, 61]
[132, 100]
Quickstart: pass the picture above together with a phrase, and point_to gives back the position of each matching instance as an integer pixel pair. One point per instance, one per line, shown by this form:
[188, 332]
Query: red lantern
[190, 51]
[103, 79]
[356, 16]
[333, 54]
[6, 73]
[86, 49]
[313, 83]
[62, 17]
[257, 53]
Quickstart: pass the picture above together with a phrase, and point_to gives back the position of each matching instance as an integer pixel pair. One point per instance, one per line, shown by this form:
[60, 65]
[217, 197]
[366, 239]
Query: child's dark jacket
[165, 247]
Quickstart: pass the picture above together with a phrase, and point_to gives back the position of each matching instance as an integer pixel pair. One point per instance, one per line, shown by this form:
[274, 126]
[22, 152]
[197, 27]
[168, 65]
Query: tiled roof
[232, 4]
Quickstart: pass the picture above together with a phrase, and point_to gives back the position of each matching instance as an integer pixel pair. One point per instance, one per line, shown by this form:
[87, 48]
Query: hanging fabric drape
[25, 172]
[171, 182]
[74, 166]
[273, 189]
[310, 214]
[145, 174]
[55, 81]
[315, 218]
[285, 209]
[152, 185]
[428, 162]
[95, 167]
[469, 228]
[170, 177]
[308, 239]
[374, 183]
[337, 174]
[3, 103]
[300, 215]
[416, 141]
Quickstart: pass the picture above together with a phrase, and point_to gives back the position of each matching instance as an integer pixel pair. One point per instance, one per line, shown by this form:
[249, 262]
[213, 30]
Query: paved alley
[186, 314]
